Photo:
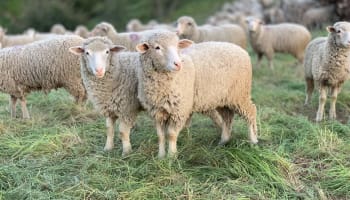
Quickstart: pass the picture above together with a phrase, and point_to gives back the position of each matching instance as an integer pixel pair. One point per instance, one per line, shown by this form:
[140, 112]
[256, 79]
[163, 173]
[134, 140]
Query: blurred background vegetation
[18, 15]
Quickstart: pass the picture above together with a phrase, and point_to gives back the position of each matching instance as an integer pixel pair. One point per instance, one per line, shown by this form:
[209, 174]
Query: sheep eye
[157, 47]
[107, 52]
[338, 31]
[87, 53]
[189, 23]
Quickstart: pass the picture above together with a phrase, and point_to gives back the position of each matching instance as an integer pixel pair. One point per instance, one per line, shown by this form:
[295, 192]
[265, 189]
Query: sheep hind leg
[332, 110]
[124, 135]
[13, 102]
[25, 112]
[321, 103]
[248, 112]
[110, 123]
[310, 85]
[227, 121]
[215, 116]
[259, 59]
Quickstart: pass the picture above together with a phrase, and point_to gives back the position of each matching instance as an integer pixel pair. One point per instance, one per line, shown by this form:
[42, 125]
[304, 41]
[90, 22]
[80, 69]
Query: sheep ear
[143, 47]
[78, 50]
[117, 48]
[330, 29]
[184, 43]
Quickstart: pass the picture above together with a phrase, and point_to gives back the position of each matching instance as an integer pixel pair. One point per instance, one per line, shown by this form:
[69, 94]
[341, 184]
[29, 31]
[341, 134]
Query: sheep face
[253, 24]
[185, 26]
[340, 33]
[96, 54]
[163, 50]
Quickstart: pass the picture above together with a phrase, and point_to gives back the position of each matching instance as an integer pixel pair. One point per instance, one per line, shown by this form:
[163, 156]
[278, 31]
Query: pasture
[58, 153]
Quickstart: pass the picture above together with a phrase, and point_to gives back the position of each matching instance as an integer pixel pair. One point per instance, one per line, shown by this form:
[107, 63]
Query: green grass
[58, 153]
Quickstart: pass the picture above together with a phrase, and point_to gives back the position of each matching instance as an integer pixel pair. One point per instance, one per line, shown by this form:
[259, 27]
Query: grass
[58, 153]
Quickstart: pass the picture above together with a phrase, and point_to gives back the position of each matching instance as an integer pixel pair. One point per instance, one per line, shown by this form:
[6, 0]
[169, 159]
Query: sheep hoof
[223, 143]
[254, 141]
[126, 152]
[108, 148]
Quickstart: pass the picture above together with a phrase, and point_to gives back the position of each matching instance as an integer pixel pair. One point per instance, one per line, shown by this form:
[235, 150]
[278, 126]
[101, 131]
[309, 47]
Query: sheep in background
[172, 87]
[316, 17]
[268, 39]
[14, 40]
[42, 65]
[58, 29]
[82, 31]
[327, 66]
[188, 29]
[111, 83]
[135, 25]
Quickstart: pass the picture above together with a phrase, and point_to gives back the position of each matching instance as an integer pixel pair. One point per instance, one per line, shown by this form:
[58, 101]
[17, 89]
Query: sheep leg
[188, 122]
[259, 59]
[227, 121]
[173, 131]
[321, 103]
[124, 135]
[332, 110]
[25, 112]
[110, 123]
[161, 139]
[309, 90]
[215, 116]
[13, 102]
[248, 111]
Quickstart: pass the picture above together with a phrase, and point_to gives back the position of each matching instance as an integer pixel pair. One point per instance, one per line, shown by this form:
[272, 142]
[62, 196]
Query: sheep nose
[178, 65]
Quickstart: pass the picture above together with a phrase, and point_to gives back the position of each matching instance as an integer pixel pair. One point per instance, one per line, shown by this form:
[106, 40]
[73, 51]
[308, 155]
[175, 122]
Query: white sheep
[327, 66]
[187, 28]
[14, 40]
[316, 17]
[268, 39]
[82, 31]
[171, 87]
[58, 29]
[42, 65]
[111, 83]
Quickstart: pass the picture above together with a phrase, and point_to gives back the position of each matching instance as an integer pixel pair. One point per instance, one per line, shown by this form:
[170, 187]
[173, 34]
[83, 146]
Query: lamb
[188, 29]
[327, 66]
[42, 65]
[172, 87]
[14, 40]
[284, 37]
[128, 40]
[112, 86]
[111, 83]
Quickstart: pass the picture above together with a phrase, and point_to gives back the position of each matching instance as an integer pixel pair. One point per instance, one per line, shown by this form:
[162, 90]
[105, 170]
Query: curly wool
[42, 65]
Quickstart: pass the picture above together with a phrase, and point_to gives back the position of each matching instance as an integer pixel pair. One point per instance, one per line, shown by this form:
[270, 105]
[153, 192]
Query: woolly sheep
[327, 66]
[135, 25]
[82, 31]
[188, 29]
[172, 87]
[128, 40]
[58, 29]
[268, 39]
[111, 83]
[316, 17]
[42, 65]
[14, 40]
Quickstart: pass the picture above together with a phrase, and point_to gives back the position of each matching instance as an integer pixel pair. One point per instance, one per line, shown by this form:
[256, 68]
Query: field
[58, 153]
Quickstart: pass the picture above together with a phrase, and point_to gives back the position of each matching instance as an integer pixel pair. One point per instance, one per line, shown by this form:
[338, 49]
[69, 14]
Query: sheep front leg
[321, 103]
[25, 112]
[259, 59]
[110, 123]
[13, 102]
[332, 110]
[124, 135]
[161, 139]
[173, 133]
[309, 89]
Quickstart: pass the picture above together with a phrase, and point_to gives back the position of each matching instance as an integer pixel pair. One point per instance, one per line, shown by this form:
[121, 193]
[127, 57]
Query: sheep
[14, 40]
[188, 29]
[109, 76]
[135, 25]
[327, 66]
[82, 31]
[285, 37]
[128, 40]
[41, 65]
[58, 29]
[316, 17]
[171, 87]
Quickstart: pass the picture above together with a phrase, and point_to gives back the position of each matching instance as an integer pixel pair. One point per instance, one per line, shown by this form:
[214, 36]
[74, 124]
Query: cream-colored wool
[285, 38]
[327, 65]
[115, 94]
[42, 65]
[58, 29]
[82, 31]
[187, 28]
[14, 40]
[171, 96]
